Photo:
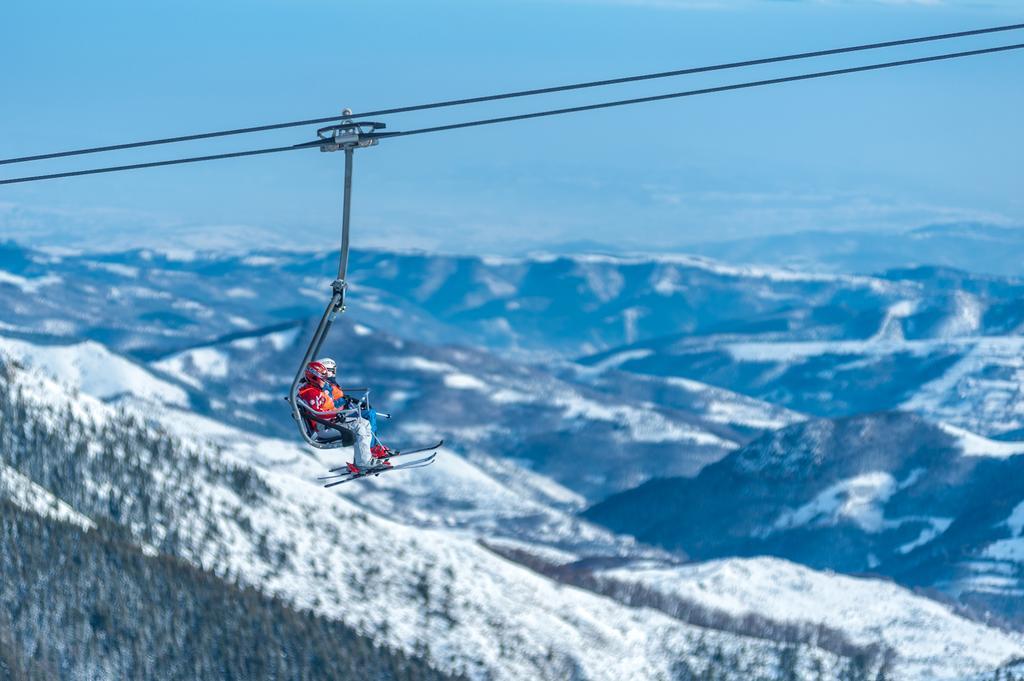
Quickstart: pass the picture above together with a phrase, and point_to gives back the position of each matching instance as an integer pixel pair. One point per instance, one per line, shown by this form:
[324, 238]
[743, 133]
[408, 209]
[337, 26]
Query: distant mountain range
[700, 410]
[972, 246]
[169, 480]
[977, 247]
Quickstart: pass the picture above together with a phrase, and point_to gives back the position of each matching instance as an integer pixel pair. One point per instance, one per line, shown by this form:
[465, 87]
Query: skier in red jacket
[325, 398]
[319, 391]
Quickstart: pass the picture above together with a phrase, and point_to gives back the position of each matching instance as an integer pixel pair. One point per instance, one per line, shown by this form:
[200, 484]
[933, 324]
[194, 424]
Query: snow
[90, 364]
[858, 499]
[29, 286]
[967, 319]
[776, 274]
[504, 619]
[630, 317]
[665, 280]
[976, 445]
[460, 381]
[177, 368]
[27, 495]
[192, 306]
[932, 642]
[191, 366]
[487, 495]
[496, 287]
[903, 308]
[982, 391]
[547, 554]
[140, 292]
[606, 285]
[891, 328]
[499, 260]
[262, 261]
[1016, 520]
[760, 416]
[179, 254]
[249, 343]
[1009, 550]
[726, 407]
[282, 340]
[205, 361]
[120, 270]
[618, 359]
[936, 527]
[802, 350]
[644, 425]
[689, 385]
[57, 327]
[422, 364]
[493, 604]
[240, 292]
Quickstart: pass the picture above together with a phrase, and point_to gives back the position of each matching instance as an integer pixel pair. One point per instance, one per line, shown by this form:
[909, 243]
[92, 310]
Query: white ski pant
[361, 456]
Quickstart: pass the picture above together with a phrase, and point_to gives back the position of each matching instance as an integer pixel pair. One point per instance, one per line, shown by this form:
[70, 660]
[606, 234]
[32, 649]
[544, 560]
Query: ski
[344, 472]
[436, 445]
[392, 455]
[377, 470]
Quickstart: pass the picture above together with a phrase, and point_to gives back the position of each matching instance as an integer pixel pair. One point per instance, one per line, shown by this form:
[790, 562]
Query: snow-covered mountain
[950, 354]
[145, 301]
[594, 438]
[929, 505]
[925, 634]
[972, 246]
[692, 366]
[829, 345]
[254, 510]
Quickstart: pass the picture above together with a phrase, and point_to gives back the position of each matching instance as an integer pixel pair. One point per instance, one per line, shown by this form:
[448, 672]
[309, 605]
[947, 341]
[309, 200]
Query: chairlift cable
[537, 114]
[157, 164]
[520, 93]
[693, 93]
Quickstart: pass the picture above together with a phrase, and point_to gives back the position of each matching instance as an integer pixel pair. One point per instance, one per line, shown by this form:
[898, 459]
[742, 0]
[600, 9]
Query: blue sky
[881, 151]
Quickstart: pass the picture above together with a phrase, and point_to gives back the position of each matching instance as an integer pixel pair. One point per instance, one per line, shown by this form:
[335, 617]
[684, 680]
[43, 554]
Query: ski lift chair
[335, 432]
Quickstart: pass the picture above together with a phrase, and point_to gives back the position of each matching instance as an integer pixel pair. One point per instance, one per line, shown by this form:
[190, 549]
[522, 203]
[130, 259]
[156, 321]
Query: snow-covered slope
[489, 495]
[983, 391]
[482, 497]
[592, 439]
[930, 640]
[742, 415]
[827, 345]
[26, 494]
[432, 591]
[106, 375]
[441, 512]
[889, 493]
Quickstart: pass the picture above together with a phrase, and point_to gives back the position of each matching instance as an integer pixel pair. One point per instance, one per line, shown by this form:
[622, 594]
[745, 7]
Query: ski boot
[381, 455]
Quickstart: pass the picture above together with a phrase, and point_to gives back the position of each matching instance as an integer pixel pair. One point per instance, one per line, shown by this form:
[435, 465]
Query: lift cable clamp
[349, 134]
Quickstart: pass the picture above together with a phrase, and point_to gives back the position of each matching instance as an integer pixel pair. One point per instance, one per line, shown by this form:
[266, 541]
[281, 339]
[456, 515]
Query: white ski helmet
[330, 365]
